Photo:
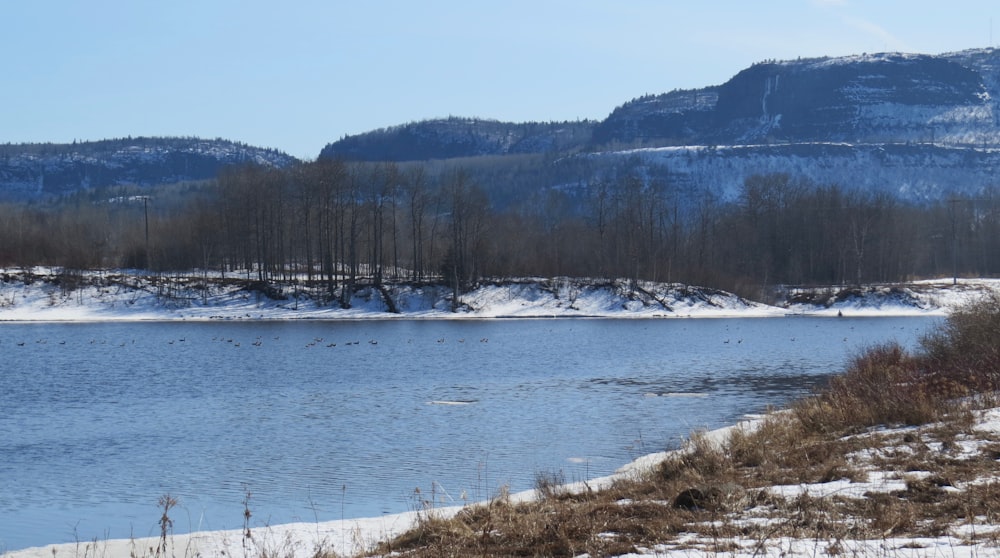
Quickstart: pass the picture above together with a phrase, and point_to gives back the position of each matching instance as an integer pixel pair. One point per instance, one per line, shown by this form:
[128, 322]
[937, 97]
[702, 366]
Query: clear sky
[298, 74]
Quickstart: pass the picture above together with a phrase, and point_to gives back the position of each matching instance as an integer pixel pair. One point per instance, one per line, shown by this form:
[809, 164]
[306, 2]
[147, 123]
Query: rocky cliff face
[914, 126]
[32, 171]
[864, 99]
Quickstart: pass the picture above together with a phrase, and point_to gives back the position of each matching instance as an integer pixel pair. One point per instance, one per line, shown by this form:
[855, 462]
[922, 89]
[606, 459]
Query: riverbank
[46, 294]
[329, 539]
[923, 490]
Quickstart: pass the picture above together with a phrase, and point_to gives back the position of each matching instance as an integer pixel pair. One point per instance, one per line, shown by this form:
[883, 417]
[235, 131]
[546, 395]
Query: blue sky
[296, 75]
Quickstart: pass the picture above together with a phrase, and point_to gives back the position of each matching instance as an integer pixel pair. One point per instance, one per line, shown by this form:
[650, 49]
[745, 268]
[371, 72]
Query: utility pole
[145, 214]
[953, 202]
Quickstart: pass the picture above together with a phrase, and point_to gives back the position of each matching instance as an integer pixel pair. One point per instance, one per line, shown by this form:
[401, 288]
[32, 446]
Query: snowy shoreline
[352, 537]
[47, 295]
[345, 537]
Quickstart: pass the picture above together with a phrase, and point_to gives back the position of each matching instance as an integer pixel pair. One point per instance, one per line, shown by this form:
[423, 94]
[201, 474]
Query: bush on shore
[887, 385]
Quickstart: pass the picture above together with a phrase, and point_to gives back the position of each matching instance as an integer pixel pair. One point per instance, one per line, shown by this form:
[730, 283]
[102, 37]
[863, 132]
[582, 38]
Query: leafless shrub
[881, 386]
[550, 484]
[965, 353]
[166, 502]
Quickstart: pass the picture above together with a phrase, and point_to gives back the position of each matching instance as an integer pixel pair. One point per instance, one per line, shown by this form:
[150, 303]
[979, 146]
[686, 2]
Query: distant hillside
[459, 137]
[919, 126]
[32, 171]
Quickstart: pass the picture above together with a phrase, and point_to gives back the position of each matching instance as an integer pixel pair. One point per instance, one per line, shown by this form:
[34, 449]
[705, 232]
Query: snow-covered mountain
[916, 126]
[31, 171]
[922, 127]
[872, 98]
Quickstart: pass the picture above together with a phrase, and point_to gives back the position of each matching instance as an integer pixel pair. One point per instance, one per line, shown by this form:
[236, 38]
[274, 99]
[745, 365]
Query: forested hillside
[460, 137]
[335, 223]
[46, 170]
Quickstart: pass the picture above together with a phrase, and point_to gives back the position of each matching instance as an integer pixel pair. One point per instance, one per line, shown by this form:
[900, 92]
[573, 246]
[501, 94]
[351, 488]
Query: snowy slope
[913, 172]
[48, 295]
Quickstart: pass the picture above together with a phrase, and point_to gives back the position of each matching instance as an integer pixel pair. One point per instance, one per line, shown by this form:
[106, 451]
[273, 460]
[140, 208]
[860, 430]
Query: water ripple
[104, 418]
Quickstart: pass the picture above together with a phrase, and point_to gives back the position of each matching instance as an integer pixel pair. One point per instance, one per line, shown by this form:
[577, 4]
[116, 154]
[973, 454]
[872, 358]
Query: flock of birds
[311, 342]
[257, 342]
[320, 341]
[315, 341]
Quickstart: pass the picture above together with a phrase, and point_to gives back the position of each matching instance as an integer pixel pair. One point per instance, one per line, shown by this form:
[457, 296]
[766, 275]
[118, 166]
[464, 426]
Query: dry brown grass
[599, 523]
[885, 385]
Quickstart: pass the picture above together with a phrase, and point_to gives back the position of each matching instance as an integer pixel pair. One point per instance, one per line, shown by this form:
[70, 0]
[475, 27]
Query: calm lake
[331, 420]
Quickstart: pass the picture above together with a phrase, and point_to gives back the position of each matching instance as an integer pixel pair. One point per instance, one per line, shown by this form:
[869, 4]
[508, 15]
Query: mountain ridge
[921, 127]
[862, 99]
[885, 97]
[39, 170]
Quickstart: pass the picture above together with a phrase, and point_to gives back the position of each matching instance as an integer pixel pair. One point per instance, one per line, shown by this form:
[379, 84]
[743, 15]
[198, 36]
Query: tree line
[334, 224]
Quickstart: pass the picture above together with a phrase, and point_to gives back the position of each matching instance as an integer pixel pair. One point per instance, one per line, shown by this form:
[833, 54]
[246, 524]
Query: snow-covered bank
[347, 537]
[293, 540]
[873, 475]
[53, 295]
[935, 296]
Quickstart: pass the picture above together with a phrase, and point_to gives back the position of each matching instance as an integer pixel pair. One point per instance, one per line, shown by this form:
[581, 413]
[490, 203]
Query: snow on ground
[964, 537]
[780, 547]
[293, 540]
[42, 294]
[139, 298]
[936, 296]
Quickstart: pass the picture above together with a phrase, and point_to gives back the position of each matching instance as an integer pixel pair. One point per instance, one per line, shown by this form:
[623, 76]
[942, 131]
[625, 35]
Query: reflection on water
[323, 420]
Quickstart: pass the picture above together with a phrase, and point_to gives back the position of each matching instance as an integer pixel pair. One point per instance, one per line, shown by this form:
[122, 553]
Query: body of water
[329, 420]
